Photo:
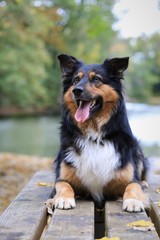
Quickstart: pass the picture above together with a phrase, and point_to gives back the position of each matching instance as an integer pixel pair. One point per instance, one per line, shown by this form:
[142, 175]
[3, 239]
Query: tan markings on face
[70, 103]
[80, 75]
[109, 97]
[91, 75]
[122, 178]
[96, 79]
[72, 106]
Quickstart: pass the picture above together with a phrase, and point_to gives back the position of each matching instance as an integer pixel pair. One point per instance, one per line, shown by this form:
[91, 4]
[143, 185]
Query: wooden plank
[155, 216]
[117, 220]
[77, 223]
[155, 209]
[154, 183]
[26, 216]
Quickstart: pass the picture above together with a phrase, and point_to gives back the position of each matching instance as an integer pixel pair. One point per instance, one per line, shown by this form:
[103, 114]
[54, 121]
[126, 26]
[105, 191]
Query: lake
[40, 135]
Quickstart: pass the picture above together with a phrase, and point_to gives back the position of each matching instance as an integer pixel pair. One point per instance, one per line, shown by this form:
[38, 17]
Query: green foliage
[87, 27]
[31, 38]
[23, 59]
[144, 69]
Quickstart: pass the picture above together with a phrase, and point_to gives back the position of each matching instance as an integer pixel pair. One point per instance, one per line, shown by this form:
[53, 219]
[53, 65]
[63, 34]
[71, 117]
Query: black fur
[117, 130]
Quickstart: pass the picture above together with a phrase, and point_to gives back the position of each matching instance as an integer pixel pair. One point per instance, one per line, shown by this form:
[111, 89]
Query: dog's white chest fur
[96, 164]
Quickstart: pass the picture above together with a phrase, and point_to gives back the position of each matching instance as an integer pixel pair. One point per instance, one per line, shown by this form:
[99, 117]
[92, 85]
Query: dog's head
[92, 91]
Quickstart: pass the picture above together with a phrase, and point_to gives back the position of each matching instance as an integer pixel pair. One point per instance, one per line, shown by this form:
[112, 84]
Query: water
[40, 135]
[145, 123]
[33, 136]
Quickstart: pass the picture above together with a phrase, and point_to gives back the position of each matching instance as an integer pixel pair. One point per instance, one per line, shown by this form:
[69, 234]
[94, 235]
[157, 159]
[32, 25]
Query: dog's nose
[78, 91]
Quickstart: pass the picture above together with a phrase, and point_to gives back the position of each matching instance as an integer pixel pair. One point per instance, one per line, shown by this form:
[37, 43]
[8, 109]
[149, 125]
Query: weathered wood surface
[155, 209]
[25, 218]
[77, 223]
[154, 192]
[117, 220]
[154, 195]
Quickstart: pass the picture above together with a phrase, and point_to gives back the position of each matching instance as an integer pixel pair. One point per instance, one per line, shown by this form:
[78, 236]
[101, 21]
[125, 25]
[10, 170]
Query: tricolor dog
[99, 158]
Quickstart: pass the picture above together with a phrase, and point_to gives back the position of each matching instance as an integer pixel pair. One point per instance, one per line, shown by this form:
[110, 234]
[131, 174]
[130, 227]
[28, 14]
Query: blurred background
[33, 33]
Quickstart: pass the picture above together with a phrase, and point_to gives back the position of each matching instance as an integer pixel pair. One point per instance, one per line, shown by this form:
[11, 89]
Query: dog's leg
[64, 198]
[134, 198]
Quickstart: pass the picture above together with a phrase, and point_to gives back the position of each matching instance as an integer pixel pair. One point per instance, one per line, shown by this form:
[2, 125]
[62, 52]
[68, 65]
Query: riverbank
[16, 171]
[12, 112]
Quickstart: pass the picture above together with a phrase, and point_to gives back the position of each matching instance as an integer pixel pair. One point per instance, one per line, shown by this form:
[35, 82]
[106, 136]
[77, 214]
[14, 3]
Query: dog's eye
[97, 80]
[76, 79]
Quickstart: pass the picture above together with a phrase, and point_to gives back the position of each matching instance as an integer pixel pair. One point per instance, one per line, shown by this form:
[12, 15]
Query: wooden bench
[26, 218]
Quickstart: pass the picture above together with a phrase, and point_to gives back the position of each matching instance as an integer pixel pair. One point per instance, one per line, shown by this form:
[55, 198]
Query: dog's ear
[116, 66]
[68, 64]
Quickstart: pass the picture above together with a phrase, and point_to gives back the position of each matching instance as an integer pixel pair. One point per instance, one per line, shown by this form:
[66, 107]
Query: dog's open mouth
[86, 108]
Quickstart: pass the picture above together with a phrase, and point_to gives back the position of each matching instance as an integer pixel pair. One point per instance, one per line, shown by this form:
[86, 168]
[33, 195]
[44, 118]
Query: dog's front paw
[133, 205]
[60, 203]
[65, 203]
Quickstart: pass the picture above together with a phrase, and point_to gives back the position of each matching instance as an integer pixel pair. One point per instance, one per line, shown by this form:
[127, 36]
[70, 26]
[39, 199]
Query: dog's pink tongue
[82, 112]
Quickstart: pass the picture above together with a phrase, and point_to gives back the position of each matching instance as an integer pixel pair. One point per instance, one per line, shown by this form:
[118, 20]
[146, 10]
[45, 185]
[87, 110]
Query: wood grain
[117, 220]
[77, 223]
[26, 216]
[155, 209]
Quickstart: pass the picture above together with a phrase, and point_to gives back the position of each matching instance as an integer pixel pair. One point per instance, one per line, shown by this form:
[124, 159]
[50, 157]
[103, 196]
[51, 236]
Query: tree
[82, 29]
[32, 36]
[144, 70]
[87, 28]
[23, 58]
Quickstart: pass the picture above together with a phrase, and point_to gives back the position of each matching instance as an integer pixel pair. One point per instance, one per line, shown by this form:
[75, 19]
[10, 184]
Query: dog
[99, 158]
